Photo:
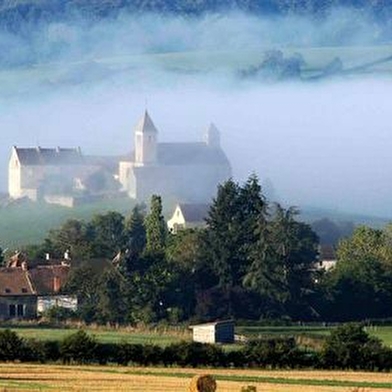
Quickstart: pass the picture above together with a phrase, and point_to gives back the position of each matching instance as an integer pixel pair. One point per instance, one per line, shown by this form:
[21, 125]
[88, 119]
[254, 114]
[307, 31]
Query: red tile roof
[15, 281]
[41, 280]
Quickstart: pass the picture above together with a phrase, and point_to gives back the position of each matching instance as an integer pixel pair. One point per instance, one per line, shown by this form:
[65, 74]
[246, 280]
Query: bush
[193, 354]
[58, 314]
[11, 346]
[272, 352]
[127, 353]
[350, 347]
[78, 347]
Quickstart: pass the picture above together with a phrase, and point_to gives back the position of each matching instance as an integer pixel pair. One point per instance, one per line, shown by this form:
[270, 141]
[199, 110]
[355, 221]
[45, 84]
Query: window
[12, 310]
[20, 310]
[24, 290]
[7, 290]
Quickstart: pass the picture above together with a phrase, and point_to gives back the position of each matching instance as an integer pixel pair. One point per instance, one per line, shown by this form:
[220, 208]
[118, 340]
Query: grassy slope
[127, 66]
[28, 223]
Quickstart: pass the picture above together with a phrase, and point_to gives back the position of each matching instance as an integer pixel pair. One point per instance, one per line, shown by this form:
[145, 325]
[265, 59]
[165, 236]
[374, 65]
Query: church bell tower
[146, 140]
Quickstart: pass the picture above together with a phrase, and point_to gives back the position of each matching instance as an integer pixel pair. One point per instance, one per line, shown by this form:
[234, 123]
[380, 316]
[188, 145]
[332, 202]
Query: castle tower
[212, 136]
[146, 139]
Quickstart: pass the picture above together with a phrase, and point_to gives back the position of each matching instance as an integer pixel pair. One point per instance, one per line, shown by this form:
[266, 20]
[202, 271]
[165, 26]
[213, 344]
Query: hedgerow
[348, 347]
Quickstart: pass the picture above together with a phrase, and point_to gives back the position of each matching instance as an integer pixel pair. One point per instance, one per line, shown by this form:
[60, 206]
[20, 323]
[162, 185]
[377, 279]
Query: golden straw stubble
[202, 383]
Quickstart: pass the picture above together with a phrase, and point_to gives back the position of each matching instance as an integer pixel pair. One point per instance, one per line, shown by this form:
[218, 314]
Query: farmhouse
[182, 171]
[216, 332]
[188, 216]
[24, 291]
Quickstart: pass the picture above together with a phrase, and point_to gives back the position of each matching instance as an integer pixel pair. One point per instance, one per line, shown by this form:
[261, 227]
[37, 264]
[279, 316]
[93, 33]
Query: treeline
[348, 347]
[15, 14]
[254, 260]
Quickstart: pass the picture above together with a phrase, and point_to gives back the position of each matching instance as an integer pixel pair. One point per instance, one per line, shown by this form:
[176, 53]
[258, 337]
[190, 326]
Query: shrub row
[263, 353]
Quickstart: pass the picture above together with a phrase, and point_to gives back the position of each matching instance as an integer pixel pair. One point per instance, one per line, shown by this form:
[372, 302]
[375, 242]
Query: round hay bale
[202, 383]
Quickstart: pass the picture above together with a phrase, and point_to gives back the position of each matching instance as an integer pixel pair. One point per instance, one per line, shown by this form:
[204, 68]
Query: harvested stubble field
[21, 377]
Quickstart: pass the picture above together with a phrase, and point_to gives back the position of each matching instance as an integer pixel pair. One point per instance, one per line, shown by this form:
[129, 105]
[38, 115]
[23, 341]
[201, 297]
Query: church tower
[212, 136]
[146, 140]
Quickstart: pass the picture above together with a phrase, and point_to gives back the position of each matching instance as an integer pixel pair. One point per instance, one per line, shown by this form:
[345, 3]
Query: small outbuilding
[215, 332]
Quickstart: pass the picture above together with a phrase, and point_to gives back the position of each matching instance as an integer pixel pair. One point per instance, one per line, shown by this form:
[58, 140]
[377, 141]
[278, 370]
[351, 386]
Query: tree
[112, 297]
[108, 234]
[282, 262]
[184, 260]
[230, 232]
[74, 235]
[226, 242]
[360, 285]
[155, 227]
[84, 281]
[350, 347]
[135, 231]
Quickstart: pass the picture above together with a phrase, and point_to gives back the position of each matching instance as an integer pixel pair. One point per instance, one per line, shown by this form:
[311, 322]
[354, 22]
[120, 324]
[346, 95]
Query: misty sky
[324, 144]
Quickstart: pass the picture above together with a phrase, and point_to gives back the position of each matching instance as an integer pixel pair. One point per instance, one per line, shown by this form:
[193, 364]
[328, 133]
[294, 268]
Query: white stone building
[180, 171]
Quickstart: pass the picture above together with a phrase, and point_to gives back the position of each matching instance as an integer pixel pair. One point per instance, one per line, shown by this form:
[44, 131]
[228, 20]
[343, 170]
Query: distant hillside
[311, 214]
[19, 15]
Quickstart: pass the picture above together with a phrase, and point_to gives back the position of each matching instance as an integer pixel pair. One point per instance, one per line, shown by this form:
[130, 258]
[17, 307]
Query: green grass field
[167, 336]
[162, 338]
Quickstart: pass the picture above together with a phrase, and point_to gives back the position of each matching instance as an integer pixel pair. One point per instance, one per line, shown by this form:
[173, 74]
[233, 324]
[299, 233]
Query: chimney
[67, 255]
[47, 256]
[56, 284]
[24, 266]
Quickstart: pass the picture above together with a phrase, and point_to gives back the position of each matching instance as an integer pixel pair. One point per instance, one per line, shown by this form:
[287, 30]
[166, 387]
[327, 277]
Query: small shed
[215, 332]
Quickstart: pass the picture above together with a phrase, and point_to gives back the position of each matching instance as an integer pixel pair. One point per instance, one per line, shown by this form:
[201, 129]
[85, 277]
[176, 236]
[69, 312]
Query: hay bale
[202, 383]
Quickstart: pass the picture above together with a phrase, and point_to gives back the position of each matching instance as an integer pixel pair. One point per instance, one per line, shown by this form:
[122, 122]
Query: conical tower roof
[145, 124]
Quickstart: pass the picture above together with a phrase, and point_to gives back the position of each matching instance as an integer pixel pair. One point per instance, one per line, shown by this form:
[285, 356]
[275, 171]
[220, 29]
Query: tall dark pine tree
[227, 240]
[155, 227]
[231, 222]
[282, 263]
[135, 231]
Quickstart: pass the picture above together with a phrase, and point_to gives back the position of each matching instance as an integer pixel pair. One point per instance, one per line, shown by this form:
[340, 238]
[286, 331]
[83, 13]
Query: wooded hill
[18, 14]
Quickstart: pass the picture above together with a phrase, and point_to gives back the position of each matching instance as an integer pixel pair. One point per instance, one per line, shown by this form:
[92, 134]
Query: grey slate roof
[49, 156]
[190, 154]
[194, 212]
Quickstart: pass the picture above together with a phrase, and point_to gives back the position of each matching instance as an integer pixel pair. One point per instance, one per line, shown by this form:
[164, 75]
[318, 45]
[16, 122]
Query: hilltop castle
[185, 171]
[179, 171]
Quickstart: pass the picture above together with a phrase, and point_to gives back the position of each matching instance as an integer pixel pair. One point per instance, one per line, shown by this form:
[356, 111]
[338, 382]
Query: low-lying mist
[323, 144]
